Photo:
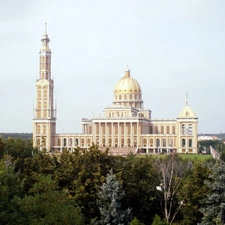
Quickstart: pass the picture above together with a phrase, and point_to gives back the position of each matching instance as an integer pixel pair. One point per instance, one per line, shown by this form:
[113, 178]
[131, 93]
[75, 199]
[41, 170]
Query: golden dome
[127, 85]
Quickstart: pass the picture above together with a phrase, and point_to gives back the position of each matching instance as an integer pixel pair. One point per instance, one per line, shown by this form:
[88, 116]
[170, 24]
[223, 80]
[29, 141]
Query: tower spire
[45, 28]
[187, 100]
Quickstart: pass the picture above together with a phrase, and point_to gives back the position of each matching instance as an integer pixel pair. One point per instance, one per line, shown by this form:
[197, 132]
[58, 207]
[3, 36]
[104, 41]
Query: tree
[172, 170]
[45, 204]
[109, 203]
[192, 191]
[214, 204]
[39, 164]
[92, 167]
[158, 221]
[2, 147]
[135, 221]
[139, 177]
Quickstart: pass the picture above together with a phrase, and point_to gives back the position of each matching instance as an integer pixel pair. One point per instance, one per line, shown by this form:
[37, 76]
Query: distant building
[125, 127]
[207, 137]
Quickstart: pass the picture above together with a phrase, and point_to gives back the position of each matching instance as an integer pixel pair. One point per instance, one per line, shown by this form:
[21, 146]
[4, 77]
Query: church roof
[187, 112]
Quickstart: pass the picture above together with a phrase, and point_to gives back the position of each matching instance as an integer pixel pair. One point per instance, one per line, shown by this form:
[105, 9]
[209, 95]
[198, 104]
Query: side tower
[187, 130]
[44, 121]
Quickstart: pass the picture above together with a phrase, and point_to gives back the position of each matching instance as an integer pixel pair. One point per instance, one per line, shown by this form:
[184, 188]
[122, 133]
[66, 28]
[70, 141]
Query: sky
[170, 46]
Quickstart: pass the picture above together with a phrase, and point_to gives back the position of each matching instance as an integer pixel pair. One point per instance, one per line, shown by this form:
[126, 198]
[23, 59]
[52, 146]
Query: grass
[184, 156]
[194, 156]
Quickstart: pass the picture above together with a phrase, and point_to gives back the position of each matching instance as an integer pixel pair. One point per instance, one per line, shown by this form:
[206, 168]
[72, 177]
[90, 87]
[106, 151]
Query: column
[138, 136]
[118, 130]
[112, 135]
[131, 135]
[99, 134]
[125, 134]
[106, 135]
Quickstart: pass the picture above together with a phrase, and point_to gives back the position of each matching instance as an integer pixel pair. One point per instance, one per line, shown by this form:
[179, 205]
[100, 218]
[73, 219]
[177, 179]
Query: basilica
[125, 127]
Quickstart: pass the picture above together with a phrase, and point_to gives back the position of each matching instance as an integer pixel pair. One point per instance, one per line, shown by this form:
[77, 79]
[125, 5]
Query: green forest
[93, 187]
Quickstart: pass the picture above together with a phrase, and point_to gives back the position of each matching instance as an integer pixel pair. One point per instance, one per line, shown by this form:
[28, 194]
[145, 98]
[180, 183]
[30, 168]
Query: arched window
[168, 130]
[150, 129]
[183, 142]
[82, 141]
[45, 104]
[190, 143]
[125, 97]
[70, 142]
[128, 142]
[190, 129]
[164, 142]
[162, 129]
[45, 94]
[174, 130]
[103, 142]
[135, 142]
[151, 142]
[39, 93]
[116, 142]
[120, 97]
[89, 141]
[171, 142]
[64, 142]
[145, 142]
[44, 141]
[39, 104]
[156, 130]
[183, 129]
[122, 142]
[130, 97]
[38, 142]
[110, 142]
[38, 129]
[157, 142]
[76, 141]
[44, 129]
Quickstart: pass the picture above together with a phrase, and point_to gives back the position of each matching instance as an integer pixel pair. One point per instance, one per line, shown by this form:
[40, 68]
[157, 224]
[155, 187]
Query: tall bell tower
[44, 120]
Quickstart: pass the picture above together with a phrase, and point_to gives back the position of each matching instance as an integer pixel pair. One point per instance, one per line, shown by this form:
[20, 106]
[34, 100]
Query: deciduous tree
[192, 191]
[172, 170]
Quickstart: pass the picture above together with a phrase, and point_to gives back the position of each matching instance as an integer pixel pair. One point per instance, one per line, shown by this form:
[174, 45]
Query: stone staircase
[120, 151]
